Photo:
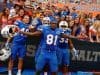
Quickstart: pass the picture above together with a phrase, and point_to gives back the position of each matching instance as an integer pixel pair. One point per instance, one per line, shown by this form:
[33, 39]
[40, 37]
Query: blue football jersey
[63, 42]
[20, 38]
[49, 38]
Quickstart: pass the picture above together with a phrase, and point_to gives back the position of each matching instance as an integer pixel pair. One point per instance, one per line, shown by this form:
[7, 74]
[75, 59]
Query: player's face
[26, 19]
[53, 25]
[63, 26]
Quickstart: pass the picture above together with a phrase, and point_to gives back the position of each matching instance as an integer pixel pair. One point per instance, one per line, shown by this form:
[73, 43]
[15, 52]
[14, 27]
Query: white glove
[75, 52]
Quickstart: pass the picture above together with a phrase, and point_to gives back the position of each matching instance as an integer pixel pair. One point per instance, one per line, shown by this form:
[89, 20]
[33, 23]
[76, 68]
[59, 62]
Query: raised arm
[67, 36]
[36, 33]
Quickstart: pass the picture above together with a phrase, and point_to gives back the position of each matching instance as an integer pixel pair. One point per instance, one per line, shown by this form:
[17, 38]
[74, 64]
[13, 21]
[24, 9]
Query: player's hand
[75, 52]
[21, 30]
[31, 26]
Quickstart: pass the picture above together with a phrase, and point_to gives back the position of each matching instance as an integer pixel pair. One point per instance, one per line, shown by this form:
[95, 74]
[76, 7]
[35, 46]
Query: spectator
[56, 13]
[27, 3]
[65, 11]
[68, 18]
[18, 16]
[98, 17]
[84, 30]
[10, 4]
[94, 32]
[19, 2]
[63, 18]
[2, 5]
[35, 20]
[83, 17]
[21, 13]
[76, 27]
[4, 17]
[12, 13]
[17, 7]
[90, 18]
[74, 13]
[50, 15]
[57, 19]
[71, 25]
[87, 26]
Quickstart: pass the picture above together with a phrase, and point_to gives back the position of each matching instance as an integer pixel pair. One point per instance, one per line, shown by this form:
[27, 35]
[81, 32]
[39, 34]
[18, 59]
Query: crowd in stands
[83, 25]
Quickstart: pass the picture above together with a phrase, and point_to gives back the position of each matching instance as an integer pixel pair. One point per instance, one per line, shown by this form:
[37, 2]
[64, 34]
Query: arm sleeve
[17, 23]
[40, 28]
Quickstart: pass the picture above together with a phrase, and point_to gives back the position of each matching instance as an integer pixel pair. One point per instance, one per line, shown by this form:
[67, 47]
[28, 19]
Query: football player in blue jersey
[18, 45]
[49, 40]
[45, 22]
[64, 44]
